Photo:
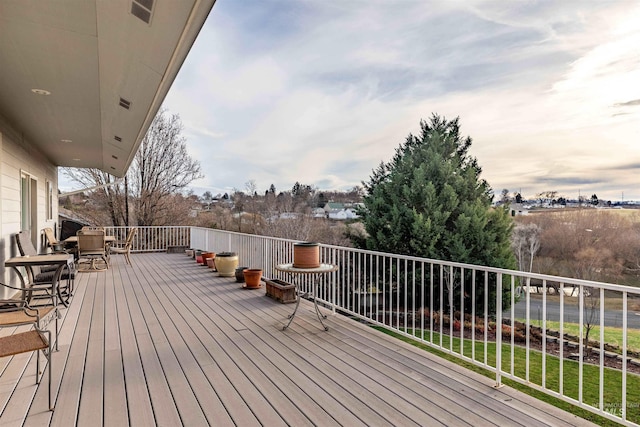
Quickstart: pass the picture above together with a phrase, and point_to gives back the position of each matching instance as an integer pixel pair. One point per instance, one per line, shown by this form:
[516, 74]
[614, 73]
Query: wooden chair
[91, 247]
[107, 246]
[125, 249]
[15, 313]
[42, 277]
[56, 245]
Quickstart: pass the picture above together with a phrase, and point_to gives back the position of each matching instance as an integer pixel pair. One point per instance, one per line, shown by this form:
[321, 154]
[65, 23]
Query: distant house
[333, 207]
[343, 214]
[318, 213]
[519, 209]
[341, 211]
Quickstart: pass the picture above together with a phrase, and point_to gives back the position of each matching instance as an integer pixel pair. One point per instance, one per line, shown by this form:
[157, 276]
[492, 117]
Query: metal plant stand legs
[315, 305]
[316, 272]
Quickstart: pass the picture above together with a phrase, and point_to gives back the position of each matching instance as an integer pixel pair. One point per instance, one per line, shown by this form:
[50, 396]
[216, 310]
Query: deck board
[168, 342]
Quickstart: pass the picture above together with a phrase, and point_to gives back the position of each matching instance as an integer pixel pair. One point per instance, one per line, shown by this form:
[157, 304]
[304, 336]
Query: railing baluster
[349, 290]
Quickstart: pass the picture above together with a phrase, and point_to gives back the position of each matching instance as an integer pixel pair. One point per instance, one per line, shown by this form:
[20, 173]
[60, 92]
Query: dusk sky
[322, 91]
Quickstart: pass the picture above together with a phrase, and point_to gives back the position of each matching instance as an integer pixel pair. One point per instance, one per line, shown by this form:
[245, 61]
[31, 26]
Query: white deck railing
[423, 299]
[153, 239]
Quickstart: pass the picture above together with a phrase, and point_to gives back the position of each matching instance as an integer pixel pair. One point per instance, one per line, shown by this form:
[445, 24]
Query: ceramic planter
[240, 274]
[252, 277]
[198, 256]
[226, 263]
[306, 255]
[206, 256]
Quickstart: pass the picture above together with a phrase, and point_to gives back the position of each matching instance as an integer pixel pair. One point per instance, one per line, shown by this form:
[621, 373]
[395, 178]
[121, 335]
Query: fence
[153, 239]
[524, 327]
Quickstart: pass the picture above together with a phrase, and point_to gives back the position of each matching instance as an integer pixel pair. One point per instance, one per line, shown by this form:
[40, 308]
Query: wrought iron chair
[91, 248]
[15, 313]
[125, 249]
[41, 278]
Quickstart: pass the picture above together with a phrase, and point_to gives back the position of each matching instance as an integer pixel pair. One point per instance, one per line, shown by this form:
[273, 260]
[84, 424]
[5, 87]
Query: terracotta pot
[206, 256]
[226, 263]
[211, 263]
[240, 274]
[306, 255]
[252, 277]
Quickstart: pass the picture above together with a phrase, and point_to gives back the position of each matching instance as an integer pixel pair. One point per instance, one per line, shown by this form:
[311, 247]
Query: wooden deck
[168, 342]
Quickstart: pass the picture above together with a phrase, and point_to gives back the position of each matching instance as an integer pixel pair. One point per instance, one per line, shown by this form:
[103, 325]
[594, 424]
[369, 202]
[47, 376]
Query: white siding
[16, 156]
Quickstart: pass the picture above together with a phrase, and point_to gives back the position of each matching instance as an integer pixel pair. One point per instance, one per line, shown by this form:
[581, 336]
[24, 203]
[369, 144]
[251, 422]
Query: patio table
[317, 271]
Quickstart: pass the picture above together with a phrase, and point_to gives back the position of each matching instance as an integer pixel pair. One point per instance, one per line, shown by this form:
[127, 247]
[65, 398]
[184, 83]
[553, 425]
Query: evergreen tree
[429, 201]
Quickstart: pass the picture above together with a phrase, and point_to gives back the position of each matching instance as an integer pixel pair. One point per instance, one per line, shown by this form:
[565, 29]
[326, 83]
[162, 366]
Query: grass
[612, 335]
[612, 378]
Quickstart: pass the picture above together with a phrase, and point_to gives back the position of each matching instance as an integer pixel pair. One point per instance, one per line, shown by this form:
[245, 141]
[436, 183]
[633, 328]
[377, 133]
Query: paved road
[572, 313]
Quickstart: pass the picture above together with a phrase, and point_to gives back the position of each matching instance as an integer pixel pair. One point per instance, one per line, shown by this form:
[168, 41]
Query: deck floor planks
[39, 414]
[165, 341]
[183, 309]
[115, 393]
[171, 327]
[173, 351]
[225, 286]
[206, 350]
[479, 388]
[24, 390]
[162, 401]
[384, 402]
[138, 402]
[412, 379]
[68, 398]
[325, 375]
[92, 395]
[393, 404]
[314, 363]
[232, 366]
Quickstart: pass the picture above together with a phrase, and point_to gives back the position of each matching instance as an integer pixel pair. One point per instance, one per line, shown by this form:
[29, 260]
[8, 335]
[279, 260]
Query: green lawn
[591, 374]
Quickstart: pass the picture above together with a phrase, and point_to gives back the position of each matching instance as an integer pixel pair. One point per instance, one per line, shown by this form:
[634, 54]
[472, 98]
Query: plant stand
[323, 269]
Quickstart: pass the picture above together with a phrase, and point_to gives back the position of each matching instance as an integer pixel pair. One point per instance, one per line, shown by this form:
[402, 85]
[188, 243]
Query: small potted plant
[252, 277]
[240, 274]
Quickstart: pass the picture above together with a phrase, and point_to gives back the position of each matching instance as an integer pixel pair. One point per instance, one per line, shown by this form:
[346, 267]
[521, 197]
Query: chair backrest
[130, 237]
[25, 246]
[51, 238]
[90, 241]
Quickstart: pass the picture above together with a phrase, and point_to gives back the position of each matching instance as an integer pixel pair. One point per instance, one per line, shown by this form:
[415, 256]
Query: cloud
[631, 103]
[321, 92]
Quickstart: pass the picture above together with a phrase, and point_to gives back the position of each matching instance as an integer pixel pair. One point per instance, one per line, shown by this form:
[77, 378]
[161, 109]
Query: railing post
[335, 286]
[498, 330]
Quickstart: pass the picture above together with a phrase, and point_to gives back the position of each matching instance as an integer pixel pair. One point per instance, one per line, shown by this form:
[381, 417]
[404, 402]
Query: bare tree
[161, 169]
[525, 241]
[108, 198]
[504, 196]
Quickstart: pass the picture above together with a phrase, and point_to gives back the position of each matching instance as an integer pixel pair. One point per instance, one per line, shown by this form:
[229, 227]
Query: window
[50, 200]
[29, 205]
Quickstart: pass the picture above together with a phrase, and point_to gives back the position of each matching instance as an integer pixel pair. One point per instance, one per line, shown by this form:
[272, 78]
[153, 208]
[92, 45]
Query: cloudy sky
[322, 91]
